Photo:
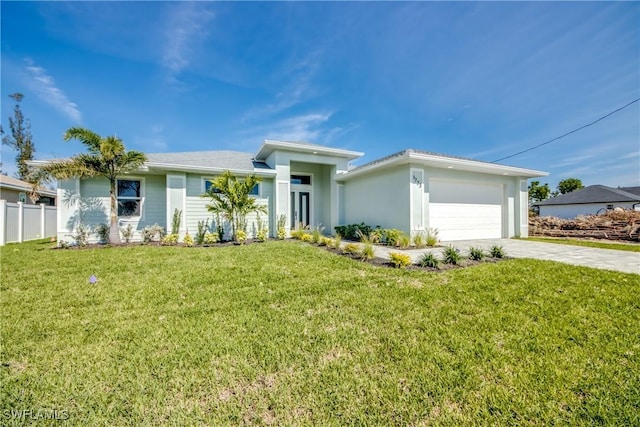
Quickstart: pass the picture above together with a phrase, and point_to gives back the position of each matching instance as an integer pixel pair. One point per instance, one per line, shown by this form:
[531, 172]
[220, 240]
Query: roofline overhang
[200, 169]
[443, 162]
[269, 146]
[44, 192]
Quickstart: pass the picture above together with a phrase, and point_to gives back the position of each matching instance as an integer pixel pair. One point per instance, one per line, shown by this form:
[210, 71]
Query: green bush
[353, 231]
[241, 236]
[102, 231]
[211, 238]
[399, 260]
[390, 236]
[188, 240]
[451, 255]
[170, 239]
[497, 252]
[429, 260]
[367, 252]
[351, 249]
[476, 254]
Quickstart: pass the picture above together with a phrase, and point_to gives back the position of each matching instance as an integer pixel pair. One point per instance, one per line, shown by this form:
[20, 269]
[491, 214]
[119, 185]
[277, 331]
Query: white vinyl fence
[22, 222]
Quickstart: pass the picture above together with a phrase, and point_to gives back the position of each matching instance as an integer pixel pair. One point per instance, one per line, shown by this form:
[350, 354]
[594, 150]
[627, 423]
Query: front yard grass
[285, 333]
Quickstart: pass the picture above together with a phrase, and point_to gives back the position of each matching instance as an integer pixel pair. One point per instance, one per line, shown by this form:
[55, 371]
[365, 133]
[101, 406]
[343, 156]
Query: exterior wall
[196, 207]
[12, 195]
[572, 211]
[321, 184]
[87, 202]
[380, 198]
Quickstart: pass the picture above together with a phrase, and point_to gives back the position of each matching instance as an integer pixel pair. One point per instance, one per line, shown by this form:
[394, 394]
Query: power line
[569, 133]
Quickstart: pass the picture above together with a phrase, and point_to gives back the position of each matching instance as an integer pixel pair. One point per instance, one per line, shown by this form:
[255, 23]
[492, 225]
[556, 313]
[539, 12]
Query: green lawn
[285, 333]
[630, 247]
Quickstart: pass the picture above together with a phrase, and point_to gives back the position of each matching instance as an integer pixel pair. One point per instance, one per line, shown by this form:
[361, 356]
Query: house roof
[441, 161]
[304, 147]
[212, 161]
[593, 194]
[17, 184]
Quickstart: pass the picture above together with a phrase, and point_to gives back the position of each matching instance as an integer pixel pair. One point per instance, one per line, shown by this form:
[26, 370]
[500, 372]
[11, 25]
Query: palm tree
[231, 199]
[107, 157]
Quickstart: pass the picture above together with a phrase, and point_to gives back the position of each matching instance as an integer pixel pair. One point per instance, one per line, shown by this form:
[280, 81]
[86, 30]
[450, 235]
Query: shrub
[306, 237]
[367, 252]
[325, 241]
[262, 235]
[432, 237]
[390, 236]
[399, 260]
[476, 254]
[81, 236]
[219, 227]
[203, 226]
[376, 235]
[282, 222]
[353, 231]
[429, 260]
[497, 252]
[152, 233]
[241, 236]
[451, 255]
[127, 233]
[175, 221]
[102, 231]
[419, 239]
[188, 240]
[316, 234]
[351, 249]
[170, 239]
[337, 241]
[404, 240]
[211, 238]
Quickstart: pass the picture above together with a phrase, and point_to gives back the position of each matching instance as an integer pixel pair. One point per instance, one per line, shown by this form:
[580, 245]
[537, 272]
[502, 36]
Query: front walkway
[606, 259]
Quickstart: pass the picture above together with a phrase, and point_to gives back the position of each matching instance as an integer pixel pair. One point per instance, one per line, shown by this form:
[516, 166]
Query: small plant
[367, 252]
[306, 237]
[210, 238]
[263, 232]
[81, 235]
[170, 239]
[497, 252]
[219, 227]
[282, 231]
[127, 233]
[188, 240]
[325, 241]
[404, 240]
[203, 227]
[241, 236]
[399, 260]
[376, 235]
[63, 244]
[337, 242]
[432, 237]
[451, 255]
[175, 222]
[419, 239]
[152, 233]
[390, 236]
[429, 260]
[102, 231]
[351, 249]
[316, 234]
[476, 254]
[352, 231]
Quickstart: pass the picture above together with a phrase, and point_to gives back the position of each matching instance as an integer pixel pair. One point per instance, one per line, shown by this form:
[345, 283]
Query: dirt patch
[618, 225]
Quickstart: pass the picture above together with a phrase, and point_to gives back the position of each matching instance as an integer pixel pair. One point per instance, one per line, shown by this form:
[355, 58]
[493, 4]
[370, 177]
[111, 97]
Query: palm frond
[85, 136]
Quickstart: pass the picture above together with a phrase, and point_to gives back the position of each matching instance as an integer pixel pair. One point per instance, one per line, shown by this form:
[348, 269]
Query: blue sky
[481, 80]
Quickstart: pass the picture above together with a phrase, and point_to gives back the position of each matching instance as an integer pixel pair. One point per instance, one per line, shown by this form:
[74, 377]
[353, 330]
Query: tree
[568, 185]
[107, 158]
[538, 192]
[20, 139]
[231, 199]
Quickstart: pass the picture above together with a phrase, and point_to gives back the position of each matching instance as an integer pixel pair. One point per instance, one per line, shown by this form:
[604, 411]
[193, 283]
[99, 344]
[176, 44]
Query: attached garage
[466, 210]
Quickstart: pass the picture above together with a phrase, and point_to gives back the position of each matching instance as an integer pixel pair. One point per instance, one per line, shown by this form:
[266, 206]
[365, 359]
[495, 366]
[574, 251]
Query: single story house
[589, 200]
[311, 184]
[14, 190]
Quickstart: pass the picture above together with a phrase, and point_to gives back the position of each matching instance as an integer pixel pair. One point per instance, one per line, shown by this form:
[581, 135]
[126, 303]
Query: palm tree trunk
[114, 230]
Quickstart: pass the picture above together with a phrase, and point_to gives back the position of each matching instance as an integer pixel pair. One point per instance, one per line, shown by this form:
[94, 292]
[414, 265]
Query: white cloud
[186, 26]
[305, 128]
[45, 87]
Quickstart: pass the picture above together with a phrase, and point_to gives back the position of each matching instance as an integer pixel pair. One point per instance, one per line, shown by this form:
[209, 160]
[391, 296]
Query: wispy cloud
[45, 87]
[186, 27]
[307, 128]
[152, 140]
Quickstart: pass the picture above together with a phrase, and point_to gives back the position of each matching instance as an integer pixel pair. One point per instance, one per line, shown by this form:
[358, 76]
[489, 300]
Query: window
[609, 206]
[129, 197]
[301, 179]
[255, 191]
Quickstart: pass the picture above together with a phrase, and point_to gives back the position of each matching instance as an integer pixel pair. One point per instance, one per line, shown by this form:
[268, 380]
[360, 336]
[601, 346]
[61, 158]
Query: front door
[300, 209]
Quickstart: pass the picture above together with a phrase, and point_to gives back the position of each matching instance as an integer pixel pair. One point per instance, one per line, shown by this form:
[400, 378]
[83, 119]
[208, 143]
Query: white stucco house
[589, 200]
[312, 184]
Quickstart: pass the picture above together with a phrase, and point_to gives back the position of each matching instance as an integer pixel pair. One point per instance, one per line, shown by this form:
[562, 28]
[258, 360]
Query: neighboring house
[14, 190]
[590, 200]
[312, 184]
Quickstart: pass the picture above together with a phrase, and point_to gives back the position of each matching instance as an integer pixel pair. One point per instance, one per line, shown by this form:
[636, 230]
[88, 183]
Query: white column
[43, 214]
[20, 222]
[3, 222]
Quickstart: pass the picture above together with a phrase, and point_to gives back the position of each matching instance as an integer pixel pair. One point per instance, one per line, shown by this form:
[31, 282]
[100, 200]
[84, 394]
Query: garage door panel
[462, 211]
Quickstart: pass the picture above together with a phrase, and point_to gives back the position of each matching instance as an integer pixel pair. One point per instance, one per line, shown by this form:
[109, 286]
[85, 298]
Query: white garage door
[463, 210]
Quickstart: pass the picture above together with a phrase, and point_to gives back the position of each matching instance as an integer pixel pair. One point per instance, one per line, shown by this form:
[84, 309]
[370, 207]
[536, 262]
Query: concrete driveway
[606, 259]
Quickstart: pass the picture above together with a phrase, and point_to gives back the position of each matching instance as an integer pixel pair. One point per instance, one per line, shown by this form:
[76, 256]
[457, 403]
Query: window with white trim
[129, 194]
